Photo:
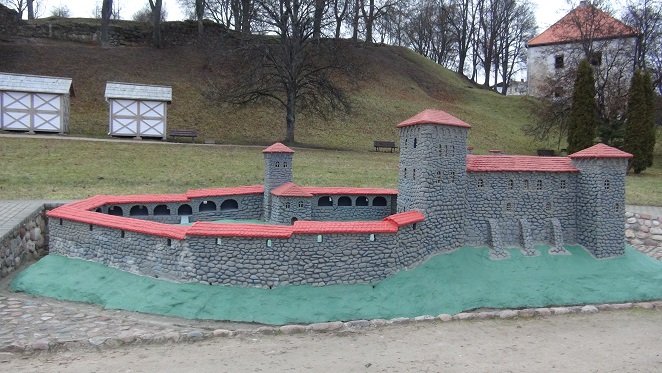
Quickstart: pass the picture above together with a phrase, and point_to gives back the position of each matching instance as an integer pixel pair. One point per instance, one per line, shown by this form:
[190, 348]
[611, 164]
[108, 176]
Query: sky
[547, 11]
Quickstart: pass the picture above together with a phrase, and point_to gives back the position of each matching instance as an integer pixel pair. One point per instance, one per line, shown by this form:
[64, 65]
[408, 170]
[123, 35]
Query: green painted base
[463, 280]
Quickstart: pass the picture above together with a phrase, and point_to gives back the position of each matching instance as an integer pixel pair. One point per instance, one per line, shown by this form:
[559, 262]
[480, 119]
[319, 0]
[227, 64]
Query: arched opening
[362, 201]
[293, 220]
[138, 210]
[379, 201]
[207, 206]
[98, 209]
[161, 210]
[229, 204]
[325, 201]
[185, 210]
[344, 201]
[115, 210]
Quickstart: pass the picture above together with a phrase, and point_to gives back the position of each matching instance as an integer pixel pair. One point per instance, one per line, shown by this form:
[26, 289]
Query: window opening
[284, 164]
[563, 184]
[481, 183]
[138, 210]
[526, 184]
[229, 204]
[287, 205]
[559, 63]
[596, 58]
[207, 206]
[415, 142]
[379, 201]
[293, 220]
[277, 164]
[115, 210]
[539, 184]
[511, 184]
[121, 234]
[372, 237]
[325, 201]
[300, 204]
[169, 242]
[362, 201]
[185, 210]
[269, 243]
[161, 210]
[344, 201]
[607, 184]
[320, 239]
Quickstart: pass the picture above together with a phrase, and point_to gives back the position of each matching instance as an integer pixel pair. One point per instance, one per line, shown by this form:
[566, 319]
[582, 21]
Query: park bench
[384, 145]
[184, 133]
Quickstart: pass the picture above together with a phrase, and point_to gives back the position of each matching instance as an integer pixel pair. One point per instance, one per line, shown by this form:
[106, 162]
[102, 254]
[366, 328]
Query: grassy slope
[396, 83]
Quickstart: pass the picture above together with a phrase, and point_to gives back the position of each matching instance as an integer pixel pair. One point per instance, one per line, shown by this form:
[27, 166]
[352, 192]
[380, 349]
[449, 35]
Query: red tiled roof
[338, 227]
[431, 116]
[518, 163]
[406, 218]
[278, 148]
[290, 190]
[119, 222]
[585, 21]
[146, 198]
[207, 229]
[220, 192]
[348, 191]
[600, 151]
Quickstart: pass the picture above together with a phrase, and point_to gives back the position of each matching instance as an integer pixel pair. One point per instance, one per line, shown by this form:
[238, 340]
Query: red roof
[220, 192]
[338, 227]
[431, 116]
[600, 151]
[518, 163]
[406, 218]
[348, 191]
[119, 222]
[207, 229]
[290, 190]
[585, 21]
[278, 148]
[146, 198]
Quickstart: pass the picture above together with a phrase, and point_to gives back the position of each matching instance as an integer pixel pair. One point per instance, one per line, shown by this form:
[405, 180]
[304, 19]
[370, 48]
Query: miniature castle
[446, 199]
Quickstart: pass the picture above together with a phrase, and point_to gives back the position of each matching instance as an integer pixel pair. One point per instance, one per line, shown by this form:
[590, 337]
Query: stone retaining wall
[27, 241]
[645, 233]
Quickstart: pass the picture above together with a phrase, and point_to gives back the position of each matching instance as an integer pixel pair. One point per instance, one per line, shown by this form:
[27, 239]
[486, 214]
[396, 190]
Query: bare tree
[61, 11]
[31, 9]
[156, 6]
[292, 70]
[106, 13]
[340, 13]
[646, 16]
[462, 20]
[18, 5]
[519, 25]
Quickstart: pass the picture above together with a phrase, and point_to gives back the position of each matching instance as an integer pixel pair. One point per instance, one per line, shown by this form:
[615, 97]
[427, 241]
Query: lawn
[67, 169]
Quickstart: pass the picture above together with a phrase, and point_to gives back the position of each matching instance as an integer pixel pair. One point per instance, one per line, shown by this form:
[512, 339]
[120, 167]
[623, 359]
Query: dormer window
[559, 62]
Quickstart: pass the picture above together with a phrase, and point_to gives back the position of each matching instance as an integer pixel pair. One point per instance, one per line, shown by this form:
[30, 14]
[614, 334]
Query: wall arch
[229, 204]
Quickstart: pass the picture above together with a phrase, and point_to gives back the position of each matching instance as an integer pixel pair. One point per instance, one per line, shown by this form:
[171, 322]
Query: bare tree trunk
[156, 6]
[106, 13]
[358, 4]
[317, 18]
[199, 15]
[246, 12]
[290, 116]
[369, 20]
[30, 9]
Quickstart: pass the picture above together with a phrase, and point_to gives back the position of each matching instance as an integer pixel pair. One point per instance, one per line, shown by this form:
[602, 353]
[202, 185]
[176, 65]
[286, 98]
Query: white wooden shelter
[138, 110]
[34, 103]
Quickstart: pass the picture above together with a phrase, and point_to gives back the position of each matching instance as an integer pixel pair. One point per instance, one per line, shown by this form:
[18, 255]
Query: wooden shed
[138, 110]
[34, 103]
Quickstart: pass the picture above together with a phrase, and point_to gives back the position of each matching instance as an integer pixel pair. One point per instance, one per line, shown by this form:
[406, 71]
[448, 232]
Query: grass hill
[395, 84]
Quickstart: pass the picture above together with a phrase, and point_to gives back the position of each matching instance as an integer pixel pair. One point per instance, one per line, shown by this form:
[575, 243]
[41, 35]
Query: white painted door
[152, 118]
[124, 117]
[31, 111]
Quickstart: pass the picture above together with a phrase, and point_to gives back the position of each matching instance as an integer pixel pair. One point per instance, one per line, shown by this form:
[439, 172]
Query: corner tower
[601, 199]
[432, 176]
[277, 171]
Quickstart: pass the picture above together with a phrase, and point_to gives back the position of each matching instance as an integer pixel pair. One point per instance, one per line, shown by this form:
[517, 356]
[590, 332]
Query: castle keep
[280, 233]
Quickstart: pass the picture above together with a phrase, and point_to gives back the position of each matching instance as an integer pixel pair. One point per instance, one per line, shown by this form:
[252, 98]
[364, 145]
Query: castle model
[281, 233]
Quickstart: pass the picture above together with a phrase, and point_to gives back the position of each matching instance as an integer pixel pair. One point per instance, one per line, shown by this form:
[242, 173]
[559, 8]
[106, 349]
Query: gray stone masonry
[27, 239]
[277, 171]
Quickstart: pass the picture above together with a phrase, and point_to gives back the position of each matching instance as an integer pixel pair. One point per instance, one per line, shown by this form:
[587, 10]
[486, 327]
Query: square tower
[277, 171]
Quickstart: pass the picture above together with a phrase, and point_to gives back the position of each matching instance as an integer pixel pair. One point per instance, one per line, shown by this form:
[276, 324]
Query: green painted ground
[463, 280]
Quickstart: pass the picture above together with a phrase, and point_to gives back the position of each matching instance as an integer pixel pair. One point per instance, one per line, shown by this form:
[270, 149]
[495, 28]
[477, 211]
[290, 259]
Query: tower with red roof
[432, 180]
[600, 196]
[277, 171]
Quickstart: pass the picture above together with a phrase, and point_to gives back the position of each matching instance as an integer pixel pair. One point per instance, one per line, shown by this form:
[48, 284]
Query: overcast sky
[547, 11]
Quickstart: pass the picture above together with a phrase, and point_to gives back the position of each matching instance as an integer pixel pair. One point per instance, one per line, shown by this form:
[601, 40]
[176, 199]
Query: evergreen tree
[640, 122]
[583, 119]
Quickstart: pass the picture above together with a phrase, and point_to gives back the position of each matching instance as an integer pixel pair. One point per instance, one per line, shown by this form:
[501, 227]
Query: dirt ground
[616, 341]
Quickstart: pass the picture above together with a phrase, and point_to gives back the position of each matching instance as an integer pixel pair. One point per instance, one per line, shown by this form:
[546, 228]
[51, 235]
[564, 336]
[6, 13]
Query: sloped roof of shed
[35, 83]
[568, 28]
[133, 91]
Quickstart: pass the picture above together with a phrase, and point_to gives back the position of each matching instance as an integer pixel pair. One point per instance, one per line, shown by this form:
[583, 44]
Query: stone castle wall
[261, 262]
[510, 197]
[9, 21]
[644, 232]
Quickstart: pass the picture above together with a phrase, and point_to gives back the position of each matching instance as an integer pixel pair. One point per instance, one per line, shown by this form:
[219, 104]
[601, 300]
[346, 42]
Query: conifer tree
[583, 119]
[640, 122]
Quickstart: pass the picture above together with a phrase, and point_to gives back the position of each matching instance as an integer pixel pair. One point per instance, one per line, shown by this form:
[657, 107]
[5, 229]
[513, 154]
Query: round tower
[601, 199]
[432, 177]
[277, 171]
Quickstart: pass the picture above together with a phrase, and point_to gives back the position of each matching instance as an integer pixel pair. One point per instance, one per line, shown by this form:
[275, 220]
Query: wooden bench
[184, 133]
[384, 145]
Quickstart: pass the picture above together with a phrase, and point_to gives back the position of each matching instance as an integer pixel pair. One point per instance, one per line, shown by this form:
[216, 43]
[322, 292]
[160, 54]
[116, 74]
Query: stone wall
[645, 233]
[261, 262]
[27, 241]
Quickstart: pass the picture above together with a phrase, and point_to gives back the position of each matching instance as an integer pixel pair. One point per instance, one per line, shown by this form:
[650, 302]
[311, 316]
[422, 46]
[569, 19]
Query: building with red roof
[283, 233]
[586, 32]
